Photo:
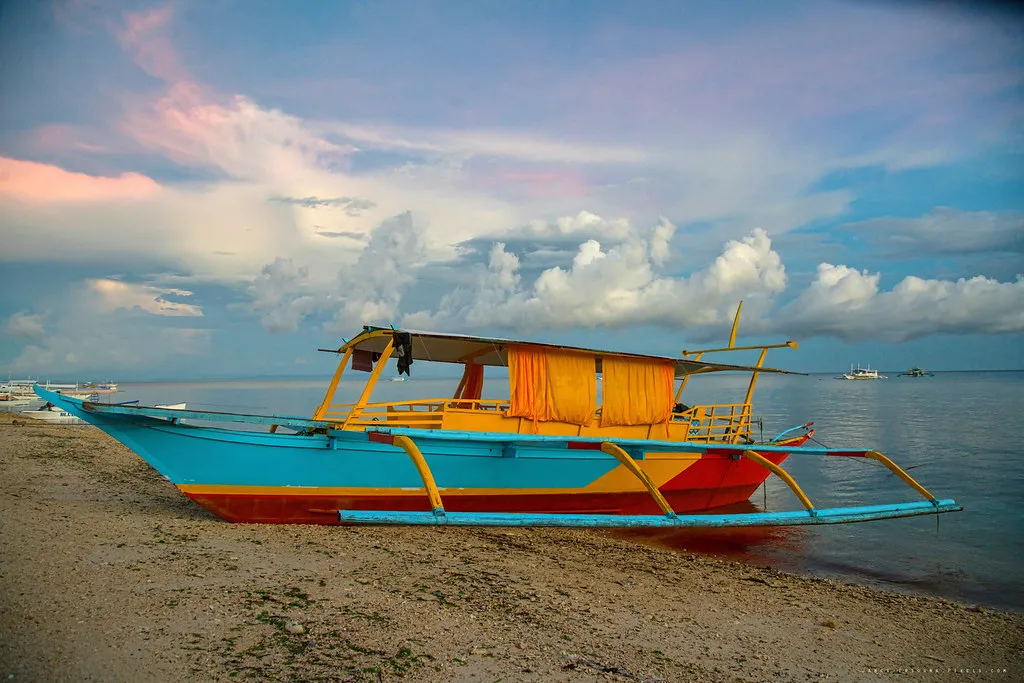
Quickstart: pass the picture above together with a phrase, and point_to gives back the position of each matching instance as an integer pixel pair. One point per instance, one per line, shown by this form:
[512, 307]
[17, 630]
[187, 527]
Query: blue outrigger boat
[549, 455]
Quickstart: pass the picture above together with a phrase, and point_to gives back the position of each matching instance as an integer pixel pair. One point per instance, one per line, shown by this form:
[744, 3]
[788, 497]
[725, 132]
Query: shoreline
[110, 573]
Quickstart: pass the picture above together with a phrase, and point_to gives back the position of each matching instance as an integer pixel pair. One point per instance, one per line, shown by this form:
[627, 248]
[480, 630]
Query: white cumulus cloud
[846, 303]
[623, 285]
[370, 291]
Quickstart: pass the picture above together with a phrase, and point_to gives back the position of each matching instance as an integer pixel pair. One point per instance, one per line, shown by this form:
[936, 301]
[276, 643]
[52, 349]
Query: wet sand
[108, 573]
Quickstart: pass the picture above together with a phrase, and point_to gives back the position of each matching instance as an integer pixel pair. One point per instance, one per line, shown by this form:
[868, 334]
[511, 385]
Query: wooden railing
[725, 422]
[729, 422]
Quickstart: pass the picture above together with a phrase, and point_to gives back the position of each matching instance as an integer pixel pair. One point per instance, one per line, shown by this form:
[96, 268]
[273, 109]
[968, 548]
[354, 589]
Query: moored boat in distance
[916, 372]
[859, 373]
[23, 390]
[549, 455]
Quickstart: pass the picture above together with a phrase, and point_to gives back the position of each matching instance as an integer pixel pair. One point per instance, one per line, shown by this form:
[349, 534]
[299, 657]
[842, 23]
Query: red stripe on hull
[711, 482]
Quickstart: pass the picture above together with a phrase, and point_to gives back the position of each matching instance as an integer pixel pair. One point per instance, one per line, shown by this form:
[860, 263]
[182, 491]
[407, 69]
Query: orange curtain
[636, 391]
[551, 386]
[472, 384]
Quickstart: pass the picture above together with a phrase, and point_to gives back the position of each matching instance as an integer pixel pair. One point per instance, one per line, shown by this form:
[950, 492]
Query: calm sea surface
[961, 434]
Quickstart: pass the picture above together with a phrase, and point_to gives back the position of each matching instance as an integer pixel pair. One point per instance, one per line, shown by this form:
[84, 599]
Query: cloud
[836, 74]
[42, 183]
[569, 229]
[945, 230]
[114, 294]
[482, 142]
[96, 327]
[234, 135]
[220, 228]
[353, 206]
[80, 345]
[352, 235]
[371, 290]
[283, 295]
[613, 288]
[846, 303]
[26, 325]
[143, 34]
[732, 139]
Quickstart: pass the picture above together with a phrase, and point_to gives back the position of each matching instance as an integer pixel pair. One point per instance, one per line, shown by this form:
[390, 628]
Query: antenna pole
[735, 325]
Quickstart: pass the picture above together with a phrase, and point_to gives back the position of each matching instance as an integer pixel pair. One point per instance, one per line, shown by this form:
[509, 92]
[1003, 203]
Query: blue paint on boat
[190, 454]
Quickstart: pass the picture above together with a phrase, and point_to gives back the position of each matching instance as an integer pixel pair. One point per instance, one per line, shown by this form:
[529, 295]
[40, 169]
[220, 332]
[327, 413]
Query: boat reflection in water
[748, 544]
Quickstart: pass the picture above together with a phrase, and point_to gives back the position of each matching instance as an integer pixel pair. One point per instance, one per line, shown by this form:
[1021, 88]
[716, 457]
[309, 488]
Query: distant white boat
[398, 378]
[861, 373]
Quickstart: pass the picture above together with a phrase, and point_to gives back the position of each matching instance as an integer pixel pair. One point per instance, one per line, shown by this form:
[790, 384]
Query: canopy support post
[329, 396]
[357, 409]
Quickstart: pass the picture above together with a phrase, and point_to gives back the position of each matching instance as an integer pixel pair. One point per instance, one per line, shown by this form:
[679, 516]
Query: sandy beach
[109, 574]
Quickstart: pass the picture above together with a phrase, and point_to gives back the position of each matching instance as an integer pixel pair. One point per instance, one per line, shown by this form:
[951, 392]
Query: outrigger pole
[438, 516]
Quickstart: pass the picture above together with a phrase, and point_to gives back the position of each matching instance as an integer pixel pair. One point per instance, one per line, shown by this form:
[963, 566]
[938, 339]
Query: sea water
[960, 434]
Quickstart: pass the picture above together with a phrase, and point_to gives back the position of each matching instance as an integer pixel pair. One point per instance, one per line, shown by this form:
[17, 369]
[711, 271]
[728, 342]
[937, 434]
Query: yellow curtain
[551, 386]
[636, 391]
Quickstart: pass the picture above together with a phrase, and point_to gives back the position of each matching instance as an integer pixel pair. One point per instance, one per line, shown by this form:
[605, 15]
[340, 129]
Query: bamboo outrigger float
[547, 456]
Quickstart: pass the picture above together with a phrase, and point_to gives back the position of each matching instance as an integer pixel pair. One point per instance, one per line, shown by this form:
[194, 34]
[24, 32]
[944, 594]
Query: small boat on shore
[549, 455]
[916, 372]
[860, 373]
[53, 415]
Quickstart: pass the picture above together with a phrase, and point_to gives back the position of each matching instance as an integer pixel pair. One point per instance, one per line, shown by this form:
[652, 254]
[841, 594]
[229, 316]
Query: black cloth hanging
[403, 346]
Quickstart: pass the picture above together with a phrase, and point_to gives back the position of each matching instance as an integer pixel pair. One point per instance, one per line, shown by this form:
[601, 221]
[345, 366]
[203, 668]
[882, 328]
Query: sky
[216, 189]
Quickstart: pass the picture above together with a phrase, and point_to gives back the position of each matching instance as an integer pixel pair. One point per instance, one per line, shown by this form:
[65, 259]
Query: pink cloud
[35, 182]
[62, 137]
[144, 37]
[540, 183]
[197, 126]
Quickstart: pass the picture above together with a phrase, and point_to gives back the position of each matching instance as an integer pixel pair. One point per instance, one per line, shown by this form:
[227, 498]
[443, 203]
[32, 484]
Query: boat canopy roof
[442, 347]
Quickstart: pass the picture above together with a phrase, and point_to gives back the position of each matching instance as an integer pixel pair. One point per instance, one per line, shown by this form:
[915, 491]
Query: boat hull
[260, 477]
[321, 506]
